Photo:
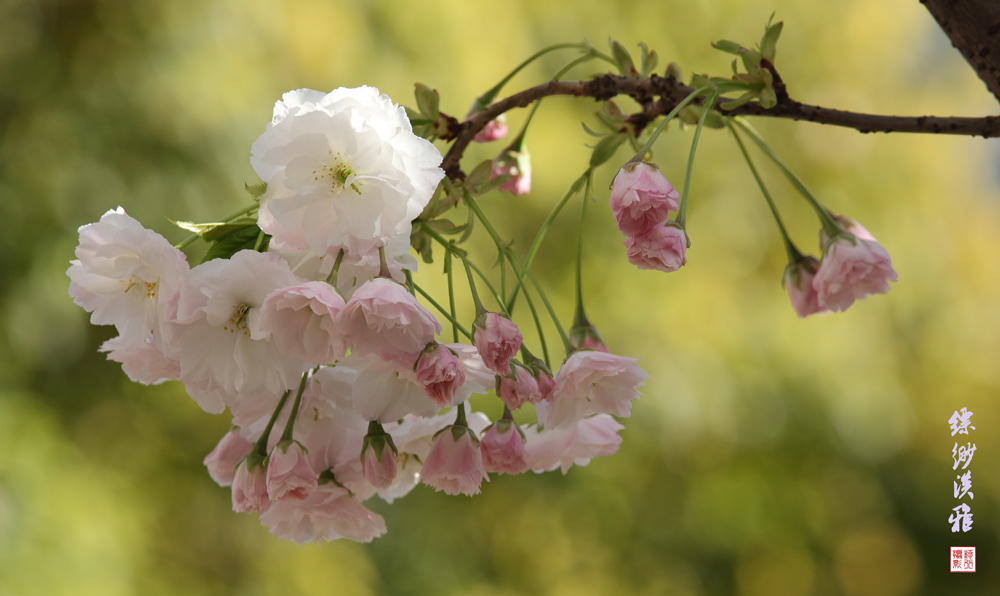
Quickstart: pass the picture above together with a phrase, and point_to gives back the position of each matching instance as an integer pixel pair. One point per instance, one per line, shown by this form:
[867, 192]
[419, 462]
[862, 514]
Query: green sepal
[606, 148]
[427, 101]
[236, 240]
[256, 190]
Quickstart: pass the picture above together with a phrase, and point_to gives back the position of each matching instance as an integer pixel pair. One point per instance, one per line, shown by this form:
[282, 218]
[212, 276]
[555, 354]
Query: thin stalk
[442, 310]
[332, 279]
[666, 120]
[290, 425]
[682, 214]
[260, 448]
[516, 261]
[487, 98]
[451, 291]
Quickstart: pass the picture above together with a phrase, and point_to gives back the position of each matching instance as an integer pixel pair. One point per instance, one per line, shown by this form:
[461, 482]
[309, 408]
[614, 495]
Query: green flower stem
[442, 310]
[487, 98]
[543, 230]
[829, 224]
[516, 262]
[409, 282]
[460, 418]
[239, 213]
[332, 279]
[287, 435]
[451, 291]
[666, 120]
[538, 326]
[793, 253]
[461, 254]
[682, 214]
[260, 448]
[580, 315]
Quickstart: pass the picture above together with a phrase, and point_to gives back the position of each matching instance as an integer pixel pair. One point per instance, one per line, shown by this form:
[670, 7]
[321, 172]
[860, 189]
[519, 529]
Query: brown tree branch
[974, 28]
[671, 92]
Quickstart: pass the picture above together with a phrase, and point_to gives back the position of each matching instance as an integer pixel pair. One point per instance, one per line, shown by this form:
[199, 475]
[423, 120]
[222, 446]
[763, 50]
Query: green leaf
[729, 105]
[236, 240]
[648, 61]
[730, 47]
[478, 176]
[768, 43]
[214, 231]
[256, 190]
[606, 149]
[427, 101]
[421, 243]
[623, 59]
[592, 133]
[767, 98]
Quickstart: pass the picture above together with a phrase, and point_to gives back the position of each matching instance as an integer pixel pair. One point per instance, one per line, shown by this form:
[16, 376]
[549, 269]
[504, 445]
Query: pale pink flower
[289, 474]
[852, 268]
[250, 487]
[517, 165]
[328, 513]
[497, 338]
[641, 198]
[222, 461]
[494, 130]
[848, 225]
[143, 362]
[798, 281]
[302, 321]
[379, 466]
[502, 447]
[440, 374]
[343, 170]
[382, 318]
[548, 449]
[455, 464]
[591, 383]
[523, 387]
[661, 247]
[124, 274]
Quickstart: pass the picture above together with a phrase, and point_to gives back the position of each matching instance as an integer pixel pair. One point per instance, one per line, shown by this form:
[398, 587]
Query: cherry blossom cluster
[319, 335]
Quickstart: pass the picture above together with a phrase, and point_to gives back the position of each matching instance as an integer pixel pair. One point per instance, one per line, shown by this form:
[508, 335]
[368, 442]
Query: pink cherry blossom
[798, 281]
[222, 461]
[455, 464]
[641, 198]
[302, 321]
[591, 383]
[440, 374]
[517, 165]
[502, 447]
[498, 339]
[852, 268]
[289, 474]
[328, 513]
[143, 362]
[250, 487]
[382, 318]
[523, 387]
[494, 130]
[379, 466]
[661, 247]
[549, 449]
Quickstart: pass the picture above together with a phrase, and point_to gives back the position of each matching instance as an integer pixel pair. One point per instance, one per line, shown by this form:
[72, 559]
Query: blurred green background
[768, 455]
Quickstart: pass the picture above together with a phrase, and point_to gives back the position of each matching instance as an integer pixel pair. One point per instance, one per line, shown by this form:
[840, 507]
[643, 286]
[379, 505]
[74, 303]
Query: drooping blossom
[517, 165]
[641, 198]
[662, 247]
[225, 357]
[124, 274]
[548, 449]
[455, 464]
[328, 513]
[518, 388]
[343, 170]
[250, 486]
[439, 373]
[494, 130]
[798, 281]
[591, 383]
[289, 475]
[378, 457]
[382, 318]
[498, 339]
[502, 447]
[222, 461]
[852, 268]
[302, 321]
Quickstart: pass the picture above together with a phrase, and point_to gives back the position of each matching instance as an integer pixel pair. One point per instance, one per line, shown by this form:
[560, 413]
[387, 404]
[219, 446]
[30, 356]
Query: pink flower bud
[289, 473]
[662, 248]
[378, 462]
[502, 447]
[222, 461]
[641, 198]
[497, 339]
[439, 373]
[494, 130]
[852, 268]
[798, 281]
[546, 383]
[523, 387]
[250, 487]
[517, 165]
[455, 464]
